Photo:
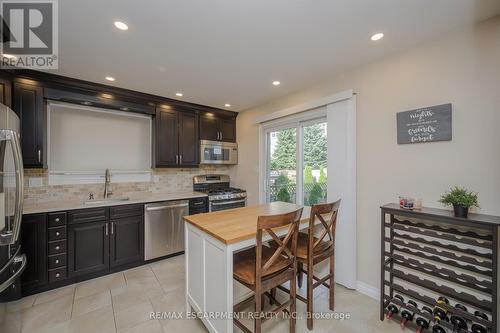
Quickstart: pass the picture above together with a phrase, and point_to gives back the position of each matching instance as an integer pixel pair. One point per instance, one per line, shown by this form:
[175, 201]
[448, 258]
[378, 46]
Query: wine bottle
[393, 308]
[407, 315]
[480, 314]
[440, 313]
[422, 322]
[459, 323]
[439, 329]
[476, 328]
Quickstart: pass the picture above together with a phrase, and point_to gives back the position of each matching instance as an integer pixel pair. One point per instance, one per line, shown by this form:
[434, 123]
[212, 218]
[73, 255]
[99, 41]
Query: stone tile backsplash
[163, 181]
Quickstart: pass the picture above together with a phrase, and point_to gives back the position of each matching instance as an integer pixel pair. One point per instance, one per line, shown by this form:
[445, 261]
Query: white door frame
[341, 122]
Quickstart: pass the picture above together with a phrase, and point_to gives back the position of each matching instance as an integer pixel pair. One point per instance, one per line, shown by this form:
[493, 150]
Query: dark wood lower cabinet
[88, 248]
[34, 244]
[127, 240]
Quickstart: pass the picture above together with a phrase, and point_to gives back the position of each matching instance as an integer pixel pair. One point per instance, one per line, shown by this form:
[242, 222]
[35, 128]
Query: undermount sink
[105, 201]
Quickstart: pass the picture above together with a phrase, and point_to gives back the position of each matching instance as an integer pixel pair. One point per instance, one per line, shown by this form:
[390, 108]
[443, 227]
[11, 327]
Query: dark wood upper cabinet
[209, 127]
[189, 151]
[166, 138]
[215, 128]
[228, 130]
[176, 138]
[6, 92]
[29, 106]
[88, 248]
[127, 240]
[33, 238]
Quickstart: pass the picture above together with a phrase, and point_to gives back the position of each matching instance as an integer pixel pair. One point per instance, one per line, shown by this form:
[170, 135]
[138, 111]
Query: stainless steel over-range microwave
[215, 152]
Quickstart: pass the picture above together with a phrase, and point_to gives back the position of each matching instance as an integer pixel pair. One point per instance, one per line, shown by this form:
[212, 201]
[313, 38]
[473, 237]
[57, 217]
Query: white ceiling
[229, 51]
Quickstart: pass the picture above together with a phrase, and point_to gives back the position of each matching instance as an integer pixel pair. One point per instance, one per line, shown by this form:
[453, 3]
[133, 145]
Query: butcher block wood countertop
[238, 224]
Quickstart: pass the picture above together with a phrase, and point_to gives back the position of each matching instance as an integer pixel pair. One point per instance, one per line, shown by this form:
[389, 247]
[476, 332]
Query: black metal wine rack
[428, 252]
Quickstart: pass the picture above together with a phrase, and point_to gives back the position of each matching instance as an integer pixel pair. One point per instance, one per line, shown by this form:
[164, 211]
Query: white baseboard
[368, 290]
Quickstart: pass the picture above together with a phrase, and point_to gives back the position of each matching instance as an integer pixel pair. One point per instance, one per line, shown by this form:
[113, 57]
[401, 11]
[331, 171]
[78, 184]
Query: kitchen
[201, 189]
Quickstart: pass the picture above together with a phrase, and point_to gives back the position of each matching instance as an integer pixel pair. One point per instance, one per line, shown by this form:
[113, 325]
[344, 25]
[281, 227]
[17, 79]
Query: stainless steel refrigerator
[12, 261]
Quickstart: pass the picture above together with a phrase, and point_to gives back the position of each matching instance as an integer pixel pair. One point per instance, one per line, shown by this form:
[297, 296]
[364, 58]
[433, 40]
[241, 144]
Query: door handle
[220, 136]
[176, 159]
[107, 229]
[149, 209]
[11, 236]
[180, 159]
[39, 156]
[112, 227]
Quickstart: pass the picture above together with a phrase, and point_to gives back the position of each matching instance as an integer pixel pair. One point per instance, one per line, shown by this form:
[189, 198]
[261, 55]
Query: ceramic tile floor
[122, 302]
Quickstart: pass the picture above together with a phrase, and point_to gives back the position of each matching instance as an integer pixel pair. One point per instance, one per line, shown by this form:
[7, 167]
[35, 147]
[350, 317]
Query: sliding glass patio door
[296, 168]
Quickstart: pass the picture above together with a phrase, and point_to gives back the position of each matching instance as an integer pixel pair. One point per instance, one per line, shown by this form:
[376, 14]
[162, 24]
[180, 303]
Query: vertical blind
[86, 139]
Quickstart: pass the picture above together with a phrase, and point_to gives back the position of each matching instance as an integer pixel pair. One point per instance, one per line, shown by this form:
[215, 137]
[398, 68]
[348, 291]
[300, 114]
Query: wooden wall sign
[425, 125]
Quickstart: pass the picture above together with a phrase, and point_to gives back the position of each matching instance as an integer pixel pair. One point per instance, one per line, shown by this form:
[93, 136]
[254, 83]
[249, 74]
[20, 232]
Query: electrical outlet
[35, 182]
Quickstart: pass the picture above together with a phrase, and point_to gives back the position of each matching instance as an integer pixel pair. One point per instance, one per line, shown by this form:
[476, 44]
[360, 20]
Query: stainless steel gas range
[220, 195]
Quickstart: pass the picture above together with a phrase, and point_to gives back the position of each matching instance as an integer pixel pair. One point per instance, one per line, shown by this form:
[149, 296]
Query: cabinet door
[228, 130]
[209, 127]
[188, 139]
[6, 92]
[28, 104]
[167, 138]
[88, 248]
[34, 244]
[127, 240]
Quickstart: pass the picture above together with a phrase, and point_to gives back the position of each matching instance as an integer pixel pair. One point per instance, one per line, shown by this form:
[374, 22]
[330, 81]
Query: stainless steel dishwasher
[164, 228]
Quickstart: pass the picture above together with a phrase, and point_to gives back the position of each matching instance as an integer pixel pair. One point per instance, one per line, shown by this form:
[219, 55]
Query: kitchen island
[211, 240]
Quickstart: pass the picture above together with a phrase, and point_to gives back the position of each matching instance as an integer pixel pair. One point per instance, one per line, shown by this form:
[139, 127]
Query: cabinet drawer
[116, 212]
[57, 274]
[57, 219]
[87, 215]
[198, 205]
[57, 233]
[58, 260]
[57, 247]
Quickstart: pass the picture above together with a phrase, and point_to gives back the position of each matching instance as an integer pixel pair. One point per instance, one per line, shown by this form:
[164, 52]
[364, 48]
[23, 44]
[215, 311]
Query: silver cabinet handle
[58, 275]
[57, 261]
[107, 229]
[220, 135]
[180, 159]
[57, 247]
[149, 209]
[227, 202]
[112, 227]
[39, 156]
[57, 233]
[199, 203]
[176, 159]
[57, 219]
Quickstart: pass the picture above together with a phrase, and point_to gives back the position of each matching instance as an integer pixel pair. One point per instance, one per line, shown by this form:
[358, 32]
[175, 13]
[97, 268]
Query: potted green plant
[461, 199]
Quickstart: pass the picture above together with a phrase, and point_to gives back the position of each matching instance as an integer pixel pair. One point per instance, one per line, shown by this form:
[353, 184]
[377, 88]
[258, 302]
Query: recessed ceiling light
[120, 25]
[377, 36]
[179, 94]
[9, 56]
[276, 83]
[227, 105]
[110, 78]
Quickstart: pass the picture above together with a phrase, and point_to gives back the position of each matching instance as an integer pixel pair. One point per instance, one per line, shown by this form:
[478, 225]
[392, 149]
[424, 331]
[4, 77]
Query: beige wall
[462, 69]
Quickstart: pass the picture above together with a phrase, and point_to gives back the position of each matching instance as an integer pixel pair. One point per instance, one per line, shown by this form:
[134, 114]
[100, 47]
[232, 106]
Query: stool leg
[258, 310]
[300, 274]
[332, 282]
[293, 302]
[310, 272]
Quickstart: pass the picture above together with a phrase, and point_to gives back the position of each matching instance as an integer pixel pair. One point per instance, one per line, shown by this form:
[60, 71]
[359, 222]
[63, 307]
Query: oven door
[227, 204]
[213, 152]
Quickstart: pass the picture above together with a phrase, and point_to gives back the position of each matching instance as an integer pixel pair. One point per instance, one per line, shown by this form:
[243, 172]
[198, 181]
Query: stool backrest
[321, 247]
[287, 247]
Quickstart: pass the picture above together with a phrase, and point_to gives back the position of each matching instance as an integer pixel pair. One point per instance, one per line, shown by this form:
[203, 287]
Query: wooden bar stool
[261, 268]
[313, 250]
